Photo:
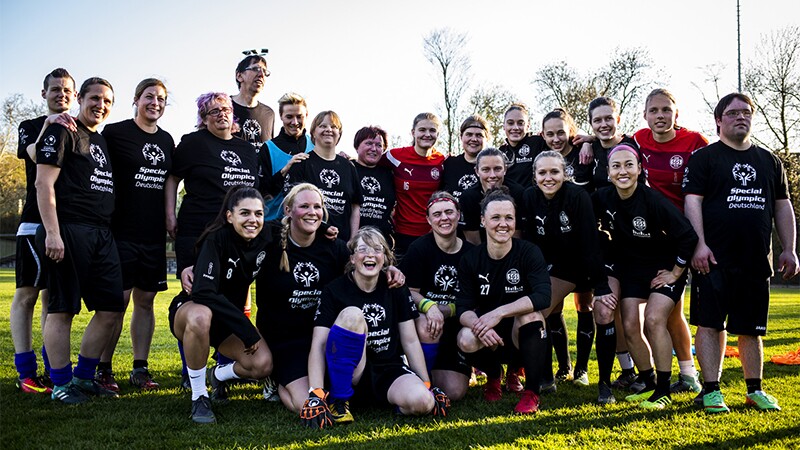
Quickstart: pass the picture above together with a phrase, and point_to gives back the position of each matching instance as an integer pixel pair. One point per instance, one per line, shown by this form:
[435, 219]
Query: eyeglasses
[217, 111]
[734, 113]
[365, 250]
[259, 69]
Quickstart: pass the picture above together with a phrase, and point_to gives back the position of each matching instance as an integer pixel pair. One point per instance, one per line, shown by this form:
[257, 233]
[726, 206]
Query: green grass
[569, 419]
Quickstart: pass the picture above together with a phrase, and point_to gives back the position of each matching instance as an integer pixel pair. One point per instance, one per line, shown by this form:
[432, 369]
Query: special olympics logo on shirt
[370, 184]
[49, 140]
[467, 181]
[260, 258]
[639, 223]
[152, 153]
[435, 173]
[524, 150]
[23, 137]
[569, 171]
[329, 177]
[97, 154]
[676, 162]
[230, 158]
[445, 278]
[305, 273]
[512, 276]
[373, 313]
[251, 130]
[744, 173]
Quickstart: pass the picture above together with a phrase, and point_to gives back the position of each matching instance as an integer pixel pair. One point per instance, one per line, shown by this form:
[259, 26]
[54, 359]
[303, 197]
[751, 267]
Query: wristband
[452, 307]
[425, 305]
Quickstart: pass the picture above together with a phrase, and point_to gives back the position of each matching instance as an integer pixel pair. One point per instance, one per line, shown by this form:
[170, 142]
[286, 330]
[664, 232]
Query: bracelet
[452, 307]
[425, 305]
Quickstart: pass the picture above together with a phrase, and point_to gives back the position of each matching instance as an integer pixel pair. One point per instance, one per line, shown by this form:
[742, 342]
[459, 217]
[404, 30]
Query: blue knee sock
[343, 352]
[62, 376]
[222, 359]
[184, 369]
[86, 367]
[26, 364]
[431, 351]
[46, 360]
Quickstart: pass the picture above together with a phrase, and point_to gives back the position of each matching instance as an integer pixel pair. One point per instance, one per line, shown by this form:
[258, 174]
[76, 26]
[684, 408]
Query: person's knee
[198, 320]
[654, 322]
[417, 402]
[108, 318]
[603, 314]
[260, 364]
[467, 342]
[455, 390]
[25, 297]
[352, 319]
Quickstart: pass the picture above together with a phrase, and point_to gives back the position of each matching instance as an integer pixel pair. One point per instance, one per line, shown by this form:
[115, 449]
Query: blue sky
[364, 59]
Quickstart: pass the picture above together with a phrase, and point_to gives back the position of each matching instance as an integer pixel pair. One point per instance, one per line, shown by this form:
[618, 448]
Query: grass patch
[569, 419]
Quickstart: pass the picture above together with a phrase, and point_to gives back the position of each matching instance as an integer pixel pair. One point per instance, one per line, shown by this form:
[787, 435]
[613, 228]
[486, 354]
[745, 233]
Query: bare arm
[46, 176]
[170, 201]
[316, 358]
[412, 349]
[355, 219]
[785, 225]
[703, 257]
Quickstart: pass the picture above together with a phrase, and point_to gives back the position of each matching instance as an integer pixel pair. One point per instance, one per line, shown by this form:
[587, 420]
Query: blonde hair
[287, 203]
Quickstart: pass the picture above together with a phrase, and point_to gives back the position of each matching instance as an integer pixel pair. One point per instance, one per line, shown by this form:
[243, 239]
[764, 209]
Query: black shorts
[90, 270]
[730, 300]
[290, 360]
[184, 253]
[373, 388]
[449, 356]
[29, 265]
[637, 285]
[581, 282]
[144, 266]
[216, 334]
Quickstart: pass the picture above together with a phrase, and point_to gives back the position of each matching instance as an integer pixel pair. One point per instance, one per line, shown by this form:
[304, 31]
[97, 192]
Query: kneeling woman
[230, 254]
[651, 242]
[362, 329]
[504, 289]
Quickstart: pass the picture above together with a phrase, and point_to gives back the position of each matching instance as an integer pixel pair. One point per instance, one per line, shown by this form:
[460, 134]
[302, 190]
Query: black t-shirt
[458, 175]
[383, 310]
[338, 182]
[209, 167]
[142, 162]
[470, 203]
[377, 188]
[290, 144]
[565, 229]
[521, 157]
[287, 301]
[647, 231]
[85, 186]
[226, 267]
[600, 165]
[28, 132]
[487, 283]
[432, 271]
[582, 174]
[255, 123]
[739, 190]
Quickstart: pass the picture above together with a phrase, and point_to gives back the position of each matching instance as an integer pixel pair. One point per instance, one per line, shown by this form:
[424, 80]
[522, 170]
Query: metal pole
[739, 44]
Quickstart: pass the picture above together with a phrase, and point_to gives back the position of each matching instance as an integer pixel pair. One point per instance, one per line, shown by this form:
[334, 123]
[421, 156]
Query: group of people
[392, 278]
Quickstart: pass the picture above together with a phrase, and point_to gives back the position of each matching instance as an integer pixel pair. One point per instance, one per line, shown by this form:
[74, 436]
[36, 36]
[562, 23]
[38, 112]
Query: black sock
[547, 370]
[583, 340]
[648, 377]
[753, 384]
[486, 361]
[711, 386]
[628, 372]
[533, 339]
[557, 329]
[104, 366]
[606, 343]
[139, 363]
[662, 384]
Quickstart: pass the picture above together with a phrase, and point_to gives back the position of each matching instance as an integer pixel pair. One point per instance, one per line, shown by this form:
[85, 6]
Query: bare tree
[772, 79]
[626, 78]
[445, 50]
[490, 102]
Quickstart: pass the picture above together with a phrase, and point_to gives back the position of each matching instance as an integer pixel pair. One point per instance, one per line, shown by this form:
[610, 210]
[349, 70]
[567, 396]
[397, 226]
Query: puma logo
[588, 334]
[612, 214]
[408, 170]
[541, 219]
[235, 263]
[484, 277]
[670, 286]
[609, 267]
[646, 157]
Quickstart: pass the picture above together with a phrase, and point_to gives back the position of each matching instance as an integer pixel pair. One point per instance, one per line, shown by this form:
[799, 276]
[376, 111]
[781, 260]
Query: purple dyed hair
[205, 103]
